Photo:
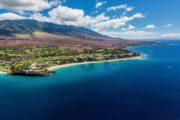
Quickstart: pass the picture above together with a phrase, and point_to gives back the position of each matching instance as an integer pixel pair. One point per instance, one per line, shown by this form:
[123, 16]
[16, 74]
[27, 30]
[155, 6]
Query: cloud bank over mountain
[104, 17]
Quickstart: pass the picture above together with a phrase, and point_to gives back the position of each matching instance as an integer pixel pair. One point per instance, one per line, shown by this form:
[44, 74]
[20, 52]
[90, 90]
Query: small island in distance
[29, 47]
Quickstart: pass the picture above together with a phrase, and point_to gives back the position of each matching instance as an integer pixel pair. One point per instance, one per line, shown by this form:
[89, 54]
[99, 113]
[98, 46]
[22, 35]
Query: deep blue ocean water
[141, 89]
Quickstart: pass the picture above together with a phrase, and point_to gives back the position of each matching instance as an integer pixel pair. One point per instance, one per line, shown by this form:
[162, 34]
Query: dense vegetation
[36, 60]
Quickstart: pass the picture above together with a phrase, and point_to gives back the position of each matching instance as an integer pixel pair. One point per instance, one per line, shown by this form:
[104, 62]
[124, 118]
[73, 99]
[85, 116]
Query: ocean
[147, 88]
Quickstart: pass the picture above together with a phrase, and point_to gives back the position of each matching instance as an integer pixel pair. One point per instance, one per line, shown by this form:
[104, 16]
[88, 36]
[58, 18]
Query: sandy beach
[3, 72]
[74, 64]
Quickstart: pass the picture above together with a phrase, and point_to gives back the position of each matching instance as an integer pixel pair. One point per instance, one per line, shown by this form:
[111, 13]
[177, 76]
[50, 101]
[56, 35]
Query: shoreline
[82, 63]
[3, 73]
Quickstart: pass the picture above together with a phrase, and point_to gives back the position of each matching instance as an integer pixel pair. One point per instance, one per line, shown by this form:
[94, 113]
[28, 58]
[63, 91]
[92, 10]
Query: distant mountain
[44, 34]
[13, 27]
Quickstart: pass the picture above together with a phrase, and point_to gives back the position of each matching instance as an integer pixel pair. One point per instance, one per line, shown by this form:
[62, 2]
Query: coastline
[3, 73]
[74, 64]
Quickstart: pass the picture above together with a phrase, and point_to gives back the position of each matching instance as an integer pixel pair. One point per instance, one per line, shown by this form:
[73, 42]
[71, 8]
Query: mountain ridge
[43, 34]
[9, 28]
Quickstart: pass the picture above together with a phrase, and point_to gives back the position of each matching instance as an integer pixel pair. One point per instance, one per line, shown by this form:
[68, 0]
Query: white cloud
[131, 34]
[125, 7]
[168, 25]
[68, 16]
[28, 5]
[130, 27]
[128, 9]
[150, 26]
[99, 4]
[117, 22]
[99, 18]
[39, 17]
[170, 35]
[11, 16]
[141, 35]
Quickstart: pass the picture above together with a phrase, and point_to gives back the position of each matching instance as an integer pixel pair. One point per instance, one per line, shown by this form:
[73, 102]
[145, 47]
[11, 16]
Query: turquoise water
[142, 89]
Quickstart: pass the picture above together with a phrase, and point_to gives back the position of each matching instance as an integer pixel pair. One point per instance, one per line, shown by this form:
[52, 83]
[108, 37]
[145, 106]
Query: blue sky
[135, 19]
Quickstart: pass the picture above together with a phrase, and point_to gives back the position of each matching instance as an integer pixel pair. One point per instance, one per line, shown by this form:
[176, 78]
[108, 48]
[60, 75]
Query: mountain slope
[13, 27]
[43, 34]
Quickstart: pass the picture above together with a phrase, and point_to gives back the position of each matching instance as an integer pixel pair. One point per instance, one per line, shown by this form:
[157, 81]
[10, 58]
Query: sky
[132, 19]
